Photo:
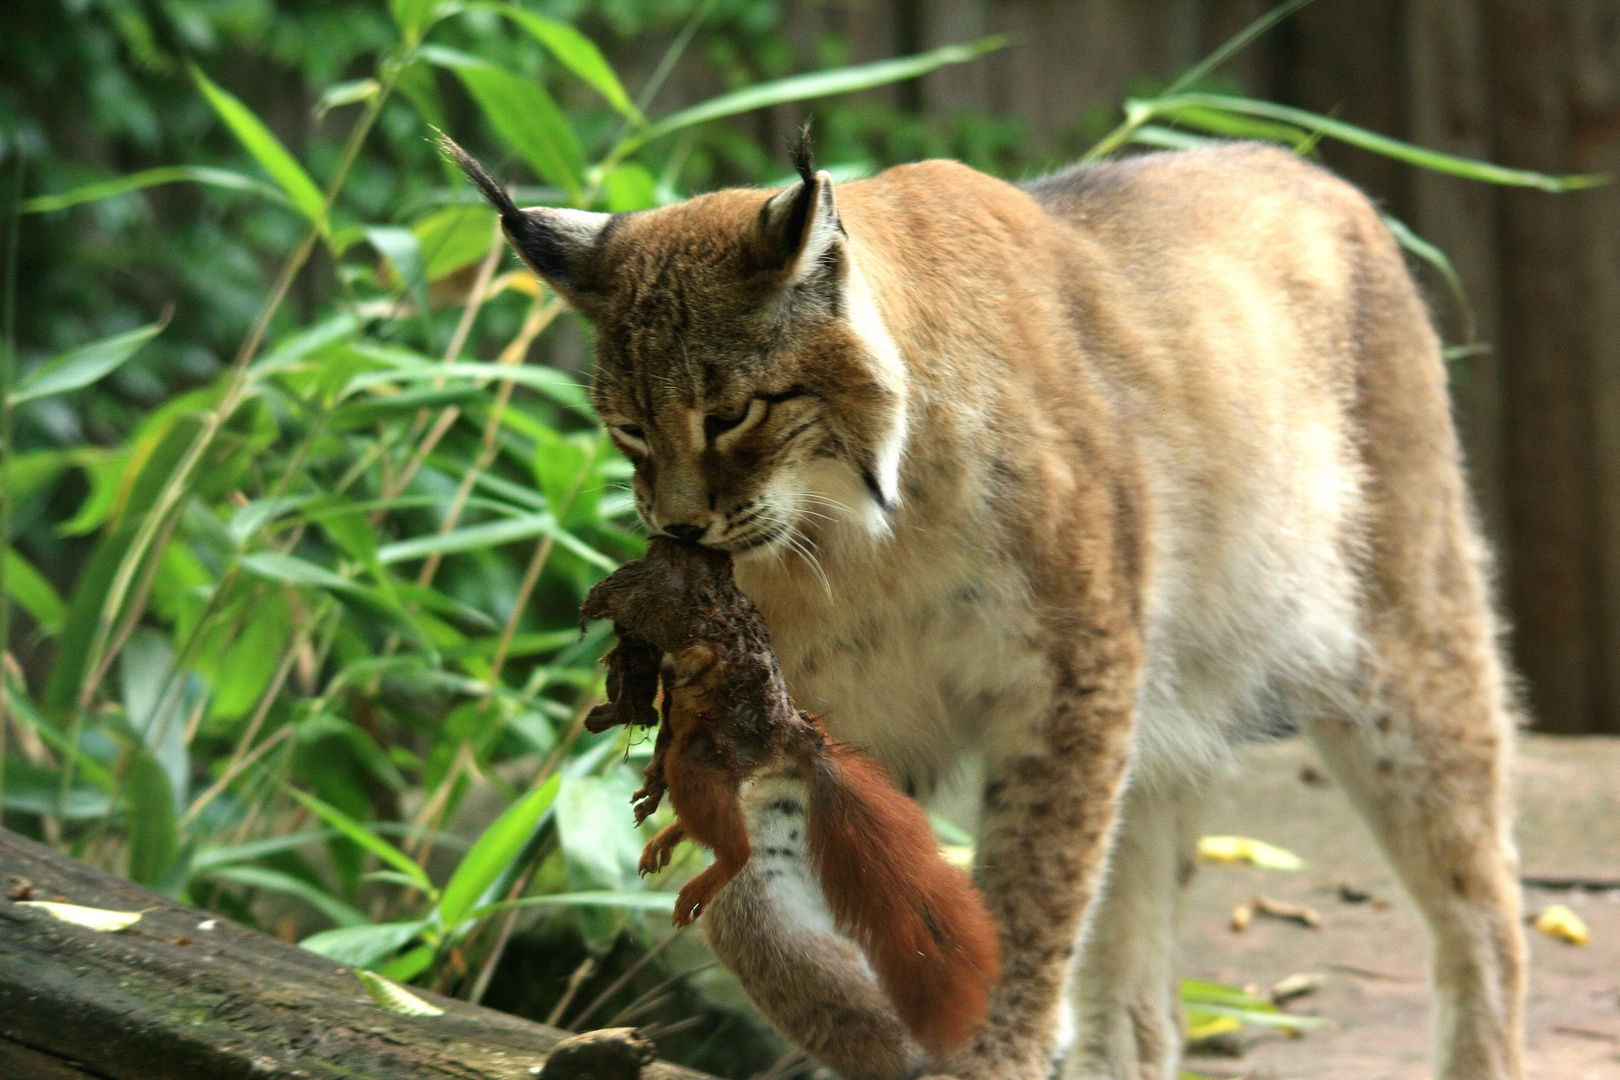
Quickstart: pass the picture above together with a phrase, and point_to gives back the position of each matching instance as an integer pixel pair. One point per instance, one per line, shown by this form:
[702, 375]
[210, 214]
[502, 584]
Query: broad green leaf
[597, 833]
[494, 850]
[29, 588]
[346, 93]
[293, 348]
[363, 946]
[279, 566]
[407, 966]
[166, 174]
[528, 121]
[819, 84]
[395, 998]
[247, 521]
[261, 877]
[247, 666]
[266, 150]
[153, 830]
[629, 187]
[577, 53]
[156, 706]
[454, 237]
[1372, 141]
[84, 365]
[97, 919]
[367, 839]
[404, 253]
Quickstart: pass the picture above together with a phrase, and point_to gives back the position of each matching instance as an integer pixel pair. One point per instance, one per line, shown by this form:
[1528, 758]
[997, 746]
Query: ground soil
[1375, 999]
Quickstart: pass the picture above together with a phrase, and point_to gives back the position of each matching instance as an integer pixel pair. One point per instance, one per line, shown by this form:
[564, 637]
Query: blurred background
[300, 489]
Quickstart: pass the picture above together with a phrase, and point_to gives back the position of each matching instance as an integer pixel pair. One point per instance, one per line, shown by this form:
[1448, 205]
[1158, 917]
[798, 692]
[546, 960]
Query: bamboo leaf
[1424, 158]
[266, 149]
[279, 566]
[415, 17]
[495, 849]
[525, 117]
[367, 839]
[474, 537]
[577, 53]
[164, 174]
[818, 84]
[262, 877]
[549, 381]
[362, 946]
[153, 825]
[82, 366]
[594, 898]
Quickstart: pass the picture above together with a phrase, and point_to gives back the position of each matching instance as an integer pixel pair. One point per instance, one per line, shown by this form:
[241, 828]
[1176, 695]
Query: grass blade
[494, 850]
[262, 877]
[367, 839]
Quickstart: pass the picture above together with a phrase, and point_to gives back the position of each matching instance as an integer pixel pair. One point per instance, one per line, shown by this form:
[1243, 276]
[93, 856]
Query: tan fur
[1095, 478]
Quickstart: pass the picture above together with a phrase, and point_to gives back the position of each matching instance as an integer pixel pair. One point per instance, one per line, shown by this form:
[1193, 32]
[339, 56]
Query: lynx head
[741, 363]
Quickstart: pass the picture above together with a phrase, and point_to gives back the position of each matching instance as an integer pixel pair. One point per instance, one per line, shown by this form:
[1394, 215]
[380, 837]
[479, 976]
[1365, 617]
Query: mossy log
[169, 1000]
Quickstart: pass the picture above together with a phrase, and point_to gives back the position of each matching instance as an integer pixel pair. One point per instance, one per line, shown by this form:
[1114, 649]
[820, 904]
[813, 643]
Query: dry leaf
[1560, 922]
[1277, 909]
[1242, 915]
[395, 998]
[105, 922]
[1243, 849]
[1296, 986]
[21, 888]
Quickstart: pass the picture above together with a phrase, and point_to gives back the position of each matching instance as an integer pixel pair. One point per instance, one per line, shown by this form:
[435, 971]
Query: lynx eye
[716, 425]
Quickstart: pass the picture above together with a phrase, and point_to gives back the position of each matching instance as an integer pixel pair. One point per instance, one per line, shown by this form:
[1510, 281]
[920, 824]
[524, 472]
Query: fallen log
[187, 995]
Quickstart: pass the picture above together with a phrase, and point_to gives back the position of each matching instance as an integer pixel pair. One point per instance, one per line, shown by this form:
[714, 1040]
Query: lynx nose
[689, 533]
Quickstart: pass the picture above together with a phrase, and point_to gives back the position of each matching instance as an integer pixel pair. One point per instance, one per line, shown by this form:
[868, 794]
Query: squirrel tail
[922, 925]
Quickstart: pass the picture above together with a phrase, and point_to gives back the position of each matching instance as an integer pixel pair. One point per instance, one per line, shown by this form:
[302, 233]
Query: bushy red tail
[923, 926]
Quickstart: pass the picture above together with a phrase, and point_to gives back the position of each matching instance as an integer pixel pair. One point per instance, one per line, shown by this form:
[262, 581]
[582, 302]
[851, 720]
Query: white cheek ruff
[867, 323]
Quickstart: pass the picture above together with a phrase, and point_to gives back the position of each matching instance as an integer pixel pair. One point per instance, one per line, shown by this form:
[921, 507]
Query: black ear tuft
[803, 157]
[475, 172]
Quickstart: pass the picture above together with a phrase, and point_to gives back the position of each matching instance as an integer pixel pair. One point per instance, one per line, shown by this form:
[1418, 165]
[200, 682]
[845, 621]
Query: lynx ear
[555, 242]
[799, 225]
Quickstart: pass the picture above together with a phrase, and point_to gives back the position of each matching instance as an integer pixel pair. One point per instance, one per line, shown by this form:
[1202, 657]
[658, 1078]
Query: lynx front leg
[1049, 807]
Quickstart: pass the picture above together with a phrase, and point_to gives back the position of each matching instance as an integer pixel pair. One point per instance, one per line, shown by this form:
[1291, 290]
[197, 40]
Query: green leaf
[367, 839]
[363, 946]
[346, 93]
[1371, 141]
[549, 381]
[403, 251]
[1430, 254]
[261, 877]
[630, 187]
[84, 365]
[279, 566]
[528, 121]
[597, 834]
[818, 84]
[407, 966]
[395, 998]
[476, 537]
[155, 706]
[414, 17]
[29, 588]
[266, 150]
[166, 174]
[455, 237]
[226, 854]
[33, 790]
[494, 850]
[577, 53]
[596, 898]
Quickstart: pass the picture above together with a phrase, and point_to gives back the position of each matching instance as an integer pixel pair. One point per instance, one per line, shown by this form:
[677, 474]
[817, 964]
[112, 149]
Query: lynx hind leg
[1427, 770]
[1127, 1010]
[771, 928]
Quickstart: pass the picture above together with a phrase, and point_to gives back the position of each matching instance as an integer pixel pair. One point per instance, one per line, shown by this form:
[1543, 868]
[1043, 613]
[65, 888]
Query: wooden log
[168, 999]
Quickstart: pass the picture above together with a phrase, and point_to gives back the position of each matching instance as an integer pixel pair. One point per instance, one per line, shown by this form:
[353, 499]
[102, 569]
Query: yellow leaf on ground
[98, 919]
[1242, 849]
[1215, 1025]
[1560, 922]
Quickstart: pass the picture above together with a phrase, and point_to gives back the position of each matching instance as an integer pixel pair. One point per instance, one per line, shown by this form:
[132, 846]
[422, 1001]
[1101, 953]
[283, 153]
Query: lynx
[1093, 479]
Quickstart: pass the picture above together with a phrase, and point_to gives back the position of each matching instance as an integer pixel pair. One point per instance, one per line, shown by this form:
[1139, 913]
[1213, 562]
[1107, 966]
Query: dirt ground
[1375, 1000]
